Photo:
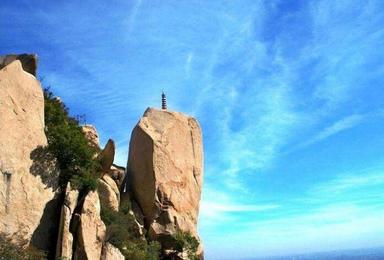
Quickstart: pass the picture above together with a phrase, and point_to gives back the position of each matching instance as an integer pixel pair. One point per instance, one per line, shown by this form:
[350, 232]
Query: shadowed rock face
[65, 238]
[28, 61]
[166, 171]
[27, 207]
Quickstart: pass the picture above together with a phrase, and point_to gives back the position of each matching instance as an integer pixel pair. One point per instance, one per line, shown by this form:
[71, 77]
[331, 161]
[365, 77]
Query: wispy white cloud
[188, 63]
[218, 207]
[236, 207]
[131, 20]
[328, 228]
[346, 216]
[363, 181]
[335, 128]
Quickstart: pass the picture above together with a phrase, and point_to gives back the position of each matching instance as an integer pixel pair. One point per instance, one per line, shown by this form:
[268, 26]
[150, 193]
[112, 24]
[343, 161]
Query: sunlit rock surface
[165, 172]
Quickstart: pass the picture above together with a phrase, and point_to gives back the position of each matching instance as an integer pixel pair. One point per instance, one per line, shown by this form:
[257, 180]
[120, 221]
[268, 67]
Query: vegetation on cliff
[186, 243]
[66, 141]
[79, 165]
[122, 232]
[9, 250]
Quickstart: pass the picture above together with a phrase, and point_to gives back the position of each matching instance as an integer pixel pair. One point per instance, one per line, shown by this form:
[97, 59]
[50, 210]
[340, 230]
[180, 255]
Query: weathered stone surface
[28, 61]
[65, 237]
[109, 193]
[92, 136]
[27, 204]
[117, 173]
[91, 230]
[166, 171]
[111, 253]
[107, 155]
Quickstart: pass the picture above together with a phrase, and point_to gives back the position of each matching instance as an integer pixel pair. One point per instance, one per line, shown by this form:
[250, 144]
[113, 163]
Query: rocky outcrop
[111, 253]
[117, 173]
[27, 203]
[165, 172]
[92, 136]
[161, 189]
[91, 230]
[107, 156]
[109, 193]
[65, 238]
[28, 61]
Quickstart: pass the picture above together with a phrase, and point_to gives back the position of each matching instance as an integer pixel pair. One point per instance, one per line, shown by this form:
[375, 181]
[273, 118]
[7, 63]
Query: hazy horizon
[289, 95]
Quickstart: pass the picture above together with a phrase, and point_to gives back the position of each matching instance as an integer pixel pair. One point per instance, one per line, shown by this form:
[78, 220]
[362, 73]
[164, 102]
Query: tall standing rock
[108, 192]
[27, 205]
[165, 172]
[64, 248]
[91, 230]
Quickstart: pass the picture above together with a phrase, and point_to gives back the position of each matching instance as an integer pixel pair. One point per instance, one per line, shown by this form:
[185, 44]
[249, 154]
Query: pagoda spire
[163, 101]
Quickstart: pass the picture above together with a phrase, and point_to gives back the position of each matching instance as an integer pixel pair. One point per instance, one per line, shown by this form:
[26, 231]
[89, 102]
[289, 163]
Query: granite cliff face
[165, 173]
[27, 203]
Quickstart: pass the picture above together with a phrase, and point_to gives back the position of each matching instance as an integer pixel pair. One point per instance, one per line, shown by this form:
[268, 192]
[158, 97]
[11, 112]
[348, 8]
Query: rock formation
[28, 61]
[81, 226]
[91, 231]
[165, 172]
[109, 192]
[107, 155]
[92, 136]
[159, 197]
[65, 237]
[27, 204]
[111, 253]
[117, 173]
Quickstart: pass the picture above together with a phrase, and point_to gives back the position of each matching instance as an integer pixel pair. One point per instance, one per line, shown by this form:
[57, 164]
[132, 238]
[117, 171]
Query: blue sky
[289, 95]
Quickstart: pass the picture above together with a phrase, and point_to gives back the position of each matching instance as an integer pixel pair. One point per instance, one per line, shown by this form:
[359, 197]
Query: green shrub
[122, 232]
[9, 250]
[142, 251]
[67, 142]
[185, 242]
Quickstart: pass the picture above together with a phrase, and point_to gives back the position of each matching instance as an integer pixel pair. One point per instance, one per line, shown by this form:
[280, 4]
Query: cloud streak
[335, 128]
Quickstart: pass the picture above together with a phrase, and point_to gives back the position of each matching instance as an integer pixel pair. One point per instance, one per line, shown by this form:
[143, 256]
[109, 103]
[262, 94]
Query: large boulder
[27, 202]
[65, 238]
[91, 231]
[28, 61]
[109, 193]
[165, 172]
